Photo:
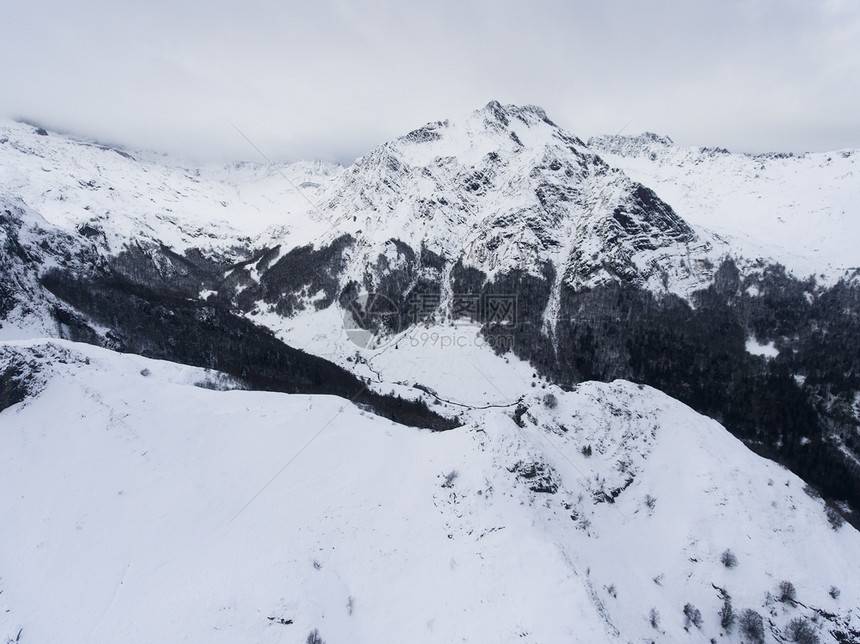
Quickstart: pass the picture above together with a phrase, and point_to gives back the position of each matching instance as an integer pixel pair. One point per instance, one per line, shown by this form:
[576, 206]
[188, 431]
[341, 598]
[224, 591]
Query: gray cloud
[332, 79]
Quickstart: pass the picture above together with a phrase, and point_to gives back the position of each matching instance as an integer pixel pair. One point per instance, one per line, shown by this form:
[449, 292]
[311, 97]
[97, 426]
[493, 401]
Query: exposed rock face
[508, 190]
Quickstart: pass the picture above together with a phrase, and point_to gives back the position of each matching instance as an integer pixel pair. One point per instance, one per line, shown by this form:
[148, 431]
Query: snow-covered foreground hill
[138, 507]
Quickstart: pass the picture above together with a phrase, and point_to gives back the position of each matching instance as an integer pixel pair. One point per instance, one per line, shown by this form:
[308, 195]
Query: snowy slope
[153, 510]
[801, 210]
[454, 365]
[134, 196]
[29, 245]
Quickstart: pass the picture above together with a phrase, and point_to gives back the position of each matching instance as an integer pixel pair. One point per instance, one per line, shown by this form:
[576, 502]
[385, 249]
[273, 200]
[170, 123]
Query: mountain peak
[502, 190]
[628, 145]
[529, 114]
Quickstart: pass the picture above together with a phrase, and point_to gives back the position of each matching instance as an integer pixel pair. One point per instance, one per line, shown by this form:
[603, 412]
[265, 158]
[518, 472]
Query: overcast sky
[333, 79]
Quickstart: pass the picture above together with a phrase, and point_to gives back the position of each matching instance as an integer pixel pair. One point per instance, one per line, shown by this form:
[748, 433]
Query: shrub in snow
[727, 614]
[786, 591]
[654, 618]
[314, 638]
[835, 592]
[729, 559]
[799, 630]
[692, 615]
[752, 626]
[586, 451]
[450, 477]
[811, 492]
[550, 401]
[834, 516]
[650, 501]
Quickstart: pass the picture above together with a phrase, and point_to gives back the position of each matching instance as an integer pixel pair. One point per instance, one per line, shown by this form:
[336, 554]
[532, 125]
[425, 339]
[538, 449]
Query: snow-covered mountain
[802, 210]
[159, 509]
[526, 280]
[119, 197]
[508, 190]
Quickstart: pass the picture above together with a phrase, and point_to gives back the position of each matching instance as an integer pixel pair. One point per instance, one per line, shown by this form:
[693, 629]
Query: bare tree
[800, 631]
[692, 616]
[787, 591]
[729, 559]
[314, 638]
[752, 626]
[727, 614]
